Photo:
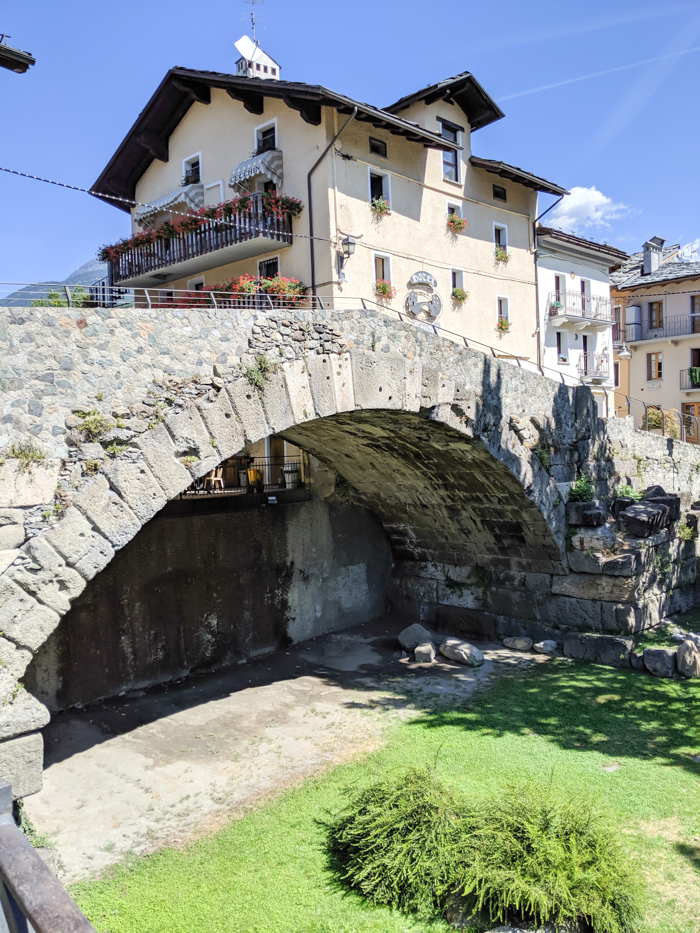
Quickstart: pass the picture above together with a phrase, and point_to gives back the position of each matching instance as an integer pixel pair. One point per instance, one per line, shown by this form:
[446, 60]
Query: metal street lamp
[14, 59]
[348, 245]
[624, 353]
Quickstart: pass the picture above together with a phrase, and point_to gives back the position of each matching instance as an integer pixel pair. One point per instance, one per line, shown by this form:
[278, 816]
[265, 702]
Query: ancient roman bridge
[439, 477]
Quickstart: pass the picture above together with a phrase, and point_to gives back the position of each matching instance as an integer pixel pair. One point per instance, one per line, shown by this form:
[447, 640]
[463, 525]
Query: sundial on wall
[422, 301]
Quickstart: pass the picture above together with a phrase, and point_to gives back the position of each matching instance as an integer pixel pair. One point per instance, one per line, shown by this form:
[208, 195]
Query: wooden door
[691, 420]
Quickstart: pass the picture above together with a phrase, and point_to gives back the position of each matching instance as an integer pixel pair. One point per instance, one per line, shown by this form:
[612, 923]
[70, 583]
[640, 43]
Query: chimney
[652, 254]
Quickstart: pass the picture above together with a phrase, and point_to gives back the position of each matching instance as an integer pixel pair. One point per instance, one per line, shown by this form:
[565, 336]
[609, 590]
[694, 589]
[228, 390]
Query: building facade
[387, 205]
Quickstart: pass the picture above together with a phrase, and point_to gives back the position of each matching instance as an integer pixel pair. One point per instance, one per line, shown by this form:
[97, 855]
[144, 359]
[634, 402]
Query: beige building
[657, 299]
[383, 194]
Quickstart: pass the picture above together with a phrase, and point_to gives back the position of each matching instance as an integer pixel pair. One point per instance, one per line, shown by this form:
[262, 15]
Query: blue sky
[626, 139]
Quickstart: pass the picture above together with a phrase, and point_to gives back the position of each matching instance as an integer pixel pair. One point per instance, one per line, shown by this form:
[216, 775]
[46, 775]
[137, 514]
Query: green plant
[503, 325]
[384, 289]
[259, 374]
[582, 490]
[27, 454]
[93, 424]
[666, 420]
[380, 206]
[456, 223]
[91, 467]
[544, 454]
[687, 533]
[189, 461]
[502, 254]
[569, 537]
[629, 492]
[694, 376]
[79, 298]
[458, 294]
[555, 307]
[662, 564]
[114, 448]
[99, 396]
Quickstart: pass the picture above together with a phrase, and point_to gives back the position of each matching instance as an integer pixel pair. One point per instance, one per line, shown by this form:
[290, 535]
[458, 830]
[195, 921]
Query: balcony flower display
[284, 291]
[380, 206]
[694, 376]
[458, 294]
[503, 325]
[384, 289]
[456, 223]
[273, 205]
[502, 254]
[555, 307]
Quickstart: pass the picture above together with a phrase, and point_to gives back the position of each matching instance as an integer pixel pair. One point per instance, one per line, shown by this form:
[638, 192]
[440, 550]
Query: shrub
[669, 423]
[629, 492]
[582, 490]
[258, 374]
[686, 532]
[27, 454]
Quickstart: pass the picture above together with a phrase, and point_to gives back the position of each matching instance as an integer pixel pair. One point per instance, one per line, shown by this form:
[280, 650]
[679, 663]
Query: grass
[626, 739]
[660, 637]
[27, 454]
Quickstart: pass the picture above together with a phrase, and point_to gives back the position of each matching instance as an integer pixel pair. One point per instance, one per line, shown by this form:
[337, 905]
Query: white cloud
[586, 208]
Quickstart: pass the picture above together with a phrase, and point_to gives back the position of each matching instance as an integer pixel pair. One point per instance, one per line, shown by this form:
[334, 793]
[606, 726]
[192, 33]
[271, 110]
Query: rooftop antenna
[252, 15]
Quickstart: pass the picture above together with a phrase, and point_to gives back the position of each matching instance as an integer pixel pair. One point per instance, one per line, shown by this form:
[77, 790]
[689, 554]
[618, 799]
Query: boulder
[673, 503]
[545, 647]
[590, 514]
[462, 652]
[413, 636]
[611, 650]
[644, 519]
[654, 491]
[688, 659]
[661, 662]
[637, 661]
[519, 643]
[425, 652]
[620, 504]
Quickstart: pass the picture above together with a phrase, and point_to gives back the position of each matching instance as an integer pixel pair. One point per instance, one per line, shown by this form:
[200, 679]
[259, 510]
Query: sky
[599, 97]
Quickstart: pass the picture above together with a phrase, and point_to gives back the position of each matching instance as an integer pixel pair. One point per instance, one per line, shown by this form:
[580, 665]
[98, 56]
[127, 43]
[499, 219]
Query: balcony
[680, 325]
[690, 379]
[594, 367]
[214, 243]
[571, 307]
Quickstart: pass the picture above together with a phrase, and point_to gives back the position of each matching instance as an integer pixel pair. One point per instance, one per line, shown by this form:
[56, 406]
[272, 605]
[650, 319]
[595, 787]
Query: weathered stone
[223, 425]
[620, 504]
[547, 646]
[623, 565]
[518, 643]
[13, 658]
[644, 519]
[23, 714]
[107, 512]
[33, 485]
[688, 659]
[137, 487]
[595, 539]
[654, 491]
[378, 382]
[587, 586]
[591, 514]
[278, 410]
[425, 653]
[47, 578]
[661, 662]
[24, 620]
[11, 537]
[247, 405]
[673, 504]
[158, 451]
[466, 620]
[413, 636]
[21, 763]
[462, 652]
[191, 438]
[93, 451]
[79, 545]
[7, 558]
[559, 611]
[599, 649]
[585, 561]
[637, 660]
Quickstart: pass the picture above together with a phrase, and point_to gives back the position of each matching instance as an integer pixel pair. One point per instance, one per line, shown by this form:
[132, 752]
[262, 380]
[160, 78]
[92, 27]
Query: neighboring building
[205, 138]
[576, 320]
[658, 297]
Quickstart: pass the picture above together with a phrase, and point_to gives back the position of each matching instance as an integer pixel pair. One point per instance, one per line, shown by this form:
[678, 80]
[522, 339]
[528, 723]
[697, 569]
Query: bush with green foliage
[629, 492]
[582, 490]
[523, 854]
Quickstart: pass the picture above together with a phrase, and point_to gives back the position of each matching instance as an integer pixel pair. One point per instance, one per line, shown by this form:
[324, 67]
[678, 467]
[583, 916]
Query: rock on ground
[688, 659]
[519, 643]
[425, 653]
[660, 661]
[545, 647]
[413, 636]
[462, 652]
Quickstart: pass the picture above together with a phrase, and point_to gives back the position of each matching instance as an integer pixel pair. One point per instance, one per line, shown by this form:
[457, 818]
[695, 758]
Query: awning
[266, 163]
[191, 197]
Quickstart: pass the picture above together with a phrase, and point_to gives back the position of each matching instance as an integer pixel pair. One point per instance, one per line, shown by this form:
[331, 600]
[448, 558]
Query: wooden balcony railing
[211, 236]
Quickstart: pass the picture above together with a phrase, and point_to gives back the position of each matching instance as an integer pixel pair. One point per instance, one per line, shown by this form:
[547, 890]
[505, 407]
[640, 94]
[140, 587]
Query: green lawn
[661, 637]
[267, 872]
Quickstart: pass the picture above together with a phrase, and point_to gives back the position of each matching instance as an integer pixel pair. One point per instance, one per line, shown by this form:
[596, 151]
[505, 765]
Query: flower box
[384, 289]
[456, 223]
[380, 206]
[502, 254]
[458, 294]
[503, 325]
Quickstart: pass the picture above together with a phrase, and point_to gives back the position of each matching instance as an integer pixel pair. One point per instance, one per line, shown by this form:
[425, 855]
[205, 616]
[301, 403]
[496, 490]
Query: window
[503, 310]
[382, 268]
[500, 236]
[269, 268]
[457, 278]
[695, 313]
[264, 69]
[191, 174]
[655, 366]
[499, 193]
[270, 187]
[695, 357]
[257, 67]
[266, 137]
[585, 295]
[656, 314]
[379, 185]
[195, 285]
[377, 147]
[273, 71]
[562, 347]
[454, 208]
[616, 373]
[450, 157]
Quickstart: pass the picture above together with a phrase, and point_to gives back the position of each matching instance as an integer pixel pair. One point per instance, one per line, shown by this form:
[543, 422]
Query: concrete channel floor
[164, 766]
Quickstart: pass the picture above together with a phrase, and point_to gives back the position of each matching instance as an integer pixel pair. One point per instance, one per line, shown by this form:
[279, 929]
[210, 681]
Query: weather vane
[252, 14]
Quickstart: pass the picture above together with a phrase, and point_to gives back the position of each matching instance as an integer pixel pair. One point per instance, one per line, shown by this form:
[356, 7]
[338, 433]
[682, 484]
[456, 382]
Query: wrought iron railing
[241, 475]
[594, 366]
[595, 307]
[690, 378]
[676, 326]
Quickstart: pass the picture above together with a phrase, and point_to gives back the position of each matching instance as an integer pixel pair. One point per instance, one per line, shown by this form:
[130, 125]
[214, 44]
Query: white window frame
[500, 226]
[193, 283]
[269, 259]
[457, 152]
[386, 182]
[460, 277]
[216, 184]
[458, 205]
[387, 258]
[379, 140]
[564, 359]
[499, 299]
[264, 126]
[190, 159]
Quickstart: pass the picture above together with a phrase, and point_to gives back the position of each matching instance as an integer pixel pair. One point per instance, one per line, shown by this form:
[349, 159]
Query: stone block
[413, 371]
[191, 439]
[107, 512]
[585, 561]
[609, 650]
[595, 539]
[322, 384]
[158, 452]
[13, 658]
[223, 425]
[299, 391]
[414, 635]
[673, 503]
[637, 661]
[35, 485]
[688, 659]
[7, 558]
[620, 504]
[247, 405]
[136, 485]
[377, 379]
[420, 588]
[23, 619]
[644, 519]
[624, 565]
[47, 578]
[582, 614]
[661, 662]
[22, 764]
[425, 653]
[278, 409]
[468, 621]
[457, 594]
[11, 533]
[518, 603]
[654, 491]
[591, 514]
[23, 714]
[343, 382]
[462, 652]
[79, 545]
[588, 586]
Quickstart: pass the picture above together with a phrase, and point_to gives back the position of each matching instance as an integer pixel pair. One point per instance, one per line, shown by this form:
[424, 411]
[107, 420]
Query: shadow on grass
[585, 707]
[691, 852]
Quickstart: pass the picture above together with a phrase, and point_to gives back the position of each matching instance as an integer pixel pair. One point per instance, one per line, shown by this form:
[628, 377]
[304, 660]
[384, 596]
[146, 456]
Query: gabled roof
[517, 174]
[465, 91]
[608, 253]
[630, 275]
[148, 137]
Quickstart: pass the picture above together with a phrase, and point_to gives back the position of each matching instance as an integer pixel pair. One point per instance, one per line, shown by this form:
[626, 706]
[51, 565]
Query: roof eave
[519, 176]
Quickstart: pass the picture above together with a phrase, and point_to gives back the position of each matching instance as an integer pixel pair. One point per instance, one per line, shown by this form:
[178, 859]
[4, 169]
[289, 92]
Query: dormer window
[267, 138]
[273, 72]
[450, 157]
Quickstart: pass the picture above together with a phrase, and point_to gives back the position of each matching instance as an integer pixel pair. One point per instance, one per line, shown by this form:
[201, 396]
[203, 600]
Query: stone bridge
[438, 479]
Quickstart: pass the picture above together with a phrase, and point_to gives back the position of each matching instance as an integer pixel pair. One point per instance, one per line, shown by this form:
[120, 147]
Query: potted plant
[380, 206]
[503, 325]
[384, 289]
[555, 307]
[694, 376]
[458, 294]
[456, 223]
[501, 254]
